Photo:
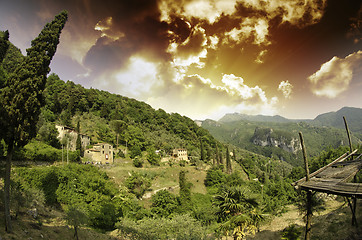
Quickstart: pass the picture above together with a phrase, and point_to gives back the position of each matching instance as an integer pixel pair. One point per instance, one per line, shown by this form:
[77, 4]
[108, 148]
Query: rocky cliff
[268, 137]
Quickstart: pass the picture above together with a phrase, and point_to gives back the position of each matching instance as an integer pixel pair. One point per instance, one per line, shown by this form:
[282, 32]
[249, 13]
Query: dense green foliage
[103, 115]
[138, 184]
[242, 133]
[22, 95]
[76, 185]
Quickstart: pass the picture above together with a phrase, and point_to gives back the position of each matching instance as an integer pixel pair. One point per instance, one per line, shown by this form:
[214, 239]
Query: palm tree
[237, 208]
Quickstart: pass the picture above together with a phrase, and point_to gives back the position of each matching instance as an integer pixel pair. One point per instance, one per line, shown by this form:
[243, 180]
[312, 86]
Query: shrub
[164, 203]
[291, 233]
[137, 162]
[138, 184]
[214, 176]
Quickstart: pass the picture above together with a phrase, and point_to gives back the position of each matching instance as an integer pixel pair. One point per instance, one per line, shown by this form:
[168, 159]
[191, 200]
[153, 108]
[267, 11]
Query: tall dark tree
[202, 157]
[4, 46]
[79, 141]
[208, 154]
[185, 191]
[220, 158]
[217, 155]
[228, 161]
[22, 96]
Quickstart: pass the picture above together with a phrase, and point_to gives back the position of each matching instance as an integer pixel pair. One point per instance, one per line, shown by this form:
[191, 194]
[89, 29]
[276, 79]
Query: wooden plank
[345, 163]
[340, 159]
[340, 173]
[344, 189]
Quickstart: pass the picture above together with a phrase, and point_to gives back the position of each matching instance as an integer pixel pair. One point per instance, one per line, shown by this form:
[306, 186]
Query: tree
[164, 203]
[4, 45]
[79, 141]
[76, 216]
[138, 184]
[202, 154]
[185, 190]
[236, 208]
[228, 161]
[217, 155]
[22, 96]
[152, 157]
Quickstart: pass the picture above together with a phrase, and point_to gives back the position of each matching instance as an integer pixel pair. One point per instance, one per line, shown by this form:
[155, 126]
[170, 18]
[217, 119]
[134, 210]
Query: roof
[333, 178]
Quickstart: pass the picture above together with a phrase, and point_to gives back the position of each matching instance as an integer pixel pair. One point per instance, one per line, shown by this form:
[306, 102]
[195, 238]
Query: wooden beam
[304, 157]
[308, 225]
[348, 135]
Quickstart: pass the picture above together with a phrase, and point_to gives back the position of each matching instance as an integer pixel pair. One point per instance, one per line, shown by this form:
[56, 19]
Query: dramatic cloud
[187, 56]
[334, 76]
[286, 88]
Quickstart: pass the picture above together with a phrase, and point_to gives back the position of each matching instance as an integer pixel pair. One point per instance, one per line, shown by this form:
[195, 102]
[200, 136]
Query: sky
[203, 59]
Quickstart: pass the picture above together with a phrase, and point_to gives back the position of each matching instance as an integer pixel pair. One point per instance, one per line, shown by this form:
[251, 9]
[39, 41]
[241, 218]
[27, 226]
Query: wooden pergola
[334, 178]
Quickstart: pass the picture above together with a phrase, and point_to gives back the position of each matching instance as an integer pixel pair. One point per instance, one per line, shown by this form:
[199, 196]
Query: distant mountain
[232, 117]
[329, 119]
[335, 119]
[277, 137]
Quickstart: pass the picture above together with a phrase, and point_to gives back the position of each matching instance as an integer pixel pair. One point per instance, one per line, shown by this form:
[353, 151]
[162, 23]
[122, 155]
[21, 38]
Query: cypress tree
[22, 97]
[79, 141]
[185, 191]
[202, 158]
[220, 158]
[217, 155]
[228, 161]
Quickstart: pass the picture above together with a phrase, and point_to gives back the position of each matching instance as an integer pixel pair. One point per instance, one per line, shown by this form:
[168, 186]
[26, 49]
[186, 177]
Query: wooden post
[348, 135]
[309, 193]
[354, 199]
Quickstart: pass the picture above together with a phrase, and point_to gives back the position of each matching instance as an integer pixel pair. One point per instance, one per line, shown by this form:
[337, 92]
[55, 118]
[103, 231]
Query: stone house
[100, 153]
[180, 154]
[69, 136]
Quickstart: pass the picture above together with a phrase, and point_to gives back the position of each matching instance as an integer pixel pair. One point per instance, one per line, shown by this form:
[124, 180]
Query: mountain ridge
[329, 119]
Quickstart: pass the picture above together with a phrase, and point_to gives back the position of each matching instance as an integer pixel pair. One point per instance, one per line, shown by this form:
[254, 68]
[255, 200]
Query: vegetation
[21, 95]
[242, 133]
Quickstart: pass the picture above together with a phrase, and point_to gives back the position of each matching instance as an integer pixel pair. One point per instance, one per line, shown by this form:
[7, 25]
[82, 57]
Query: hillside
[335, 119]
[244, 134]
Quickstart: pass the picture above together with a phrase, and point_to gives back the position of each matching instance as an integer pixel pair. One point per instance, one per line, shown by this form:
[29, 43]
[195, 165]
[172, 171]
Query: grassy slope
[334, 223]
[165, 177]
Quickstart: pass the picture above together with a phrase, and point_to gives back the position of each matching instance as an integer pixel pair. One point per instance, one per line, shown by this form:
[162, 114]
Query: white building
[69, 137]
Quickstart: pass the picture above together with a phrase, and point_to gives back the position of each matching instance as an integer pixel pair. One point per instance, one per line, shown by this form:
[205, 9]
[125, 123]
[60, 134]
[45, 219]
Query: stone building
[100, 153]
[180, 154]
[68, 136]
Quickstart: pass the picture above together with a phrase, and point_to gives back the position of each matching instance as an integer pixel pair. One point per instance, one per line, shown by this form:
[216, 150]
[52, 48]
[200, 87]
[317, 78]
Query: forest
[243, 189]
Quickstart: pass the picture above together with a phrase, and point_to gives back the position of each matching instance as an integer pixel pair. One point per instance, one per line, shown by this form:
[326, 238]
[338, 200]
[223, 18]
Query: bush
[153, 158]
[138, 184]
[74, 184]
[164, 203]
[291, 233]
[138, 162]
[39, 151]
[214, 176]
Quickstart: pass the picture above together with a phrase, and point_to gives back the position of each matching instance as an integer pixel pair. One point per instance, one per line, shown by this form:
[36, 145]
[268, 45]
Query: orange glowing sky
[204, 58]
